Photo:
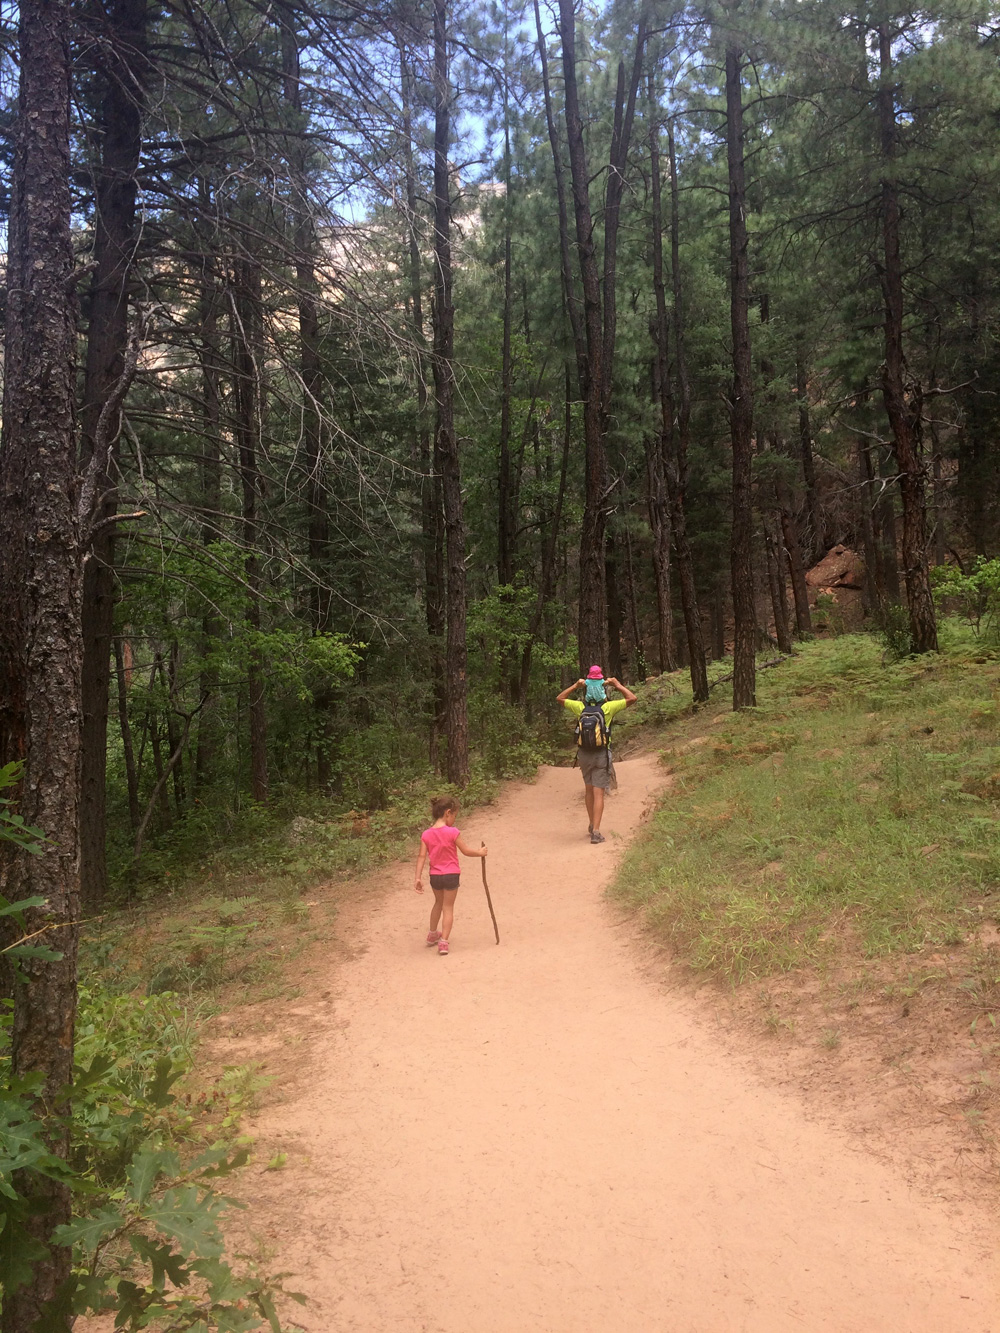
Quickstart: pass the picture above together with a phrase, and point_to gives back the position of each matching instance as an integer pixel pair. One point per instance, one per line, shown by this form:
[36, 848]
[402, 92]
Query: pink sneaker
[442, 946]
[433, 937]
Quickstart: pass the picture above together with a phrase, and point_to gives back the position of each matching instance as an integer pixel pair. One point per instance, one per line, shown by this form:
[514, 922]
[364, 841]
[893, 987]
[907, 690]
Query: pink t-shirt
[441, 849]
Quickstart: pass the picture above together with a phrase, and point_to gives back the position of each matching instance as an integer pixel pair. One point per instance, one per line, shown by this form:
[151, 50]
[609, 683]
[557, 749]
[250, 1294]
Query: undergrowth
[855, 811]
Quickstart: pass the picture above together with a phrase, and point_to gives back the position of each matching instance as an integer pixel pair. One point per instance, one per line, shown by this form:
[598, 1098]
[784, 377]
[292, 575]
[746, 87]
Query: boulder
[840, 568]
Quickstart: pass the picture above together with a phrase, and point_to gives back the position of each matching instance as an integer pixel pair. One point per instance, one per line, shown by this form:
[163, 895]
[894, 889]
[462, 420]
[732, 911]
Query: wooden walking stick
[489, 900]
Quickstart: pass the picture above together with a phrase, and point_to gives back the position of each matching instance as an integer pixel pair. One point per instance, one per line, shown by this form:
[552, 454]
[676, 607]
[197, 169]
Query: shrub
[975, 595]
[146, 1238]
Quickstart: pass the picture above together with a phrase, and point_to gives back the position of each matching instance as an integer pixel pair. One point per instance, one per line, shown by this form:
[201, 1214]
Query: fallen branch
[762, 666]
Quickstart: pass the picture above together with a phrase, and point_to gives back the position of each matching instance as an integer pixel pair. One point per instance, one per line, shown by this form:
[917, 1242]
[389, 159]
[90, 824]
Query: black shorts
[444, 881]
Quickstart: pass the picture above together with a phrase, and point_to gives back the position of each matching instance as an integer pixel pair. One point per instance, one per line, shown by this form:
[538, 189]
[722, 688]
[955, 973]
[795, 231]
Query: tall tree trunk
[593, 614]
[873, 591]
[741, 406]
[637, 657]
[776, 582]
[247, 334]
[902, 419]
[796, 567]
[431, 499]
[446, 442]
[565, 247]
[888, 543]
[938, 490]
[659, 523]
[814, 546]
[718, 611]
[305, 245]
[613, 660]
[660, 451]
[131, 777]
[550, 547]
[211, 368]
[121, 71]
[677, 466]
[600, 325]
[508, 471]
[974, 480]
[41, 600]
[506, 516]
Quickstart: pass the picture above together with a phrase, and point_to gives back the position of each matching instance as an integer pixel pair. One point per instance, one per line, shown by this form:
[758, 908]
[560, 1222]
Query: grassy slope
[854, 814]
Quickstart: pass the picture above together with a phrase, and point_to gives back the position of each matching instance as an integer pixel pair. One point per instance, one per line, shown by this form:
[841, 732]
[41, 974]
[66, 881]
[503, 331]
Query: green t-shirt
[609, 709]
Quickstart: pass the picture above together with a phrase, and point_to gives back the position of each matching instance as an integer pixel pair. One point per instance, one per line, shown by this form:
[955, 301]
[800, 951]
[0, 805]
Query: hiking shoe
[596, 837]
[442, 946]
[433, 937]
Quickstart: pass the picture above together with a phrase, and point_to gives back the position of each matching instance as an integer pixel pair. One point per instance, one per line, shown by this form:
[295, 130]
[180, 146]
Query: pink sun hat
[595, 673]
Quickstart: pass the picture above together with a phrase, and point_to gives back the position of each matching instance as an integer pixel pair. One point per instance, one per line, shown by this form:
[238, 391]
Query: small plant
[12, 826]
[828, 614]
[146, 1236]
[894, 632]
[831, 1038]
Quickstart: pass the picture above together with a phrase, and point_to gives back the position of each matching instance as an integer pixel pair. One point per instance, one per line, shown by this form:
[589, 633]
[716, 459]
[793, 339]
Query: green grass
[854, 812]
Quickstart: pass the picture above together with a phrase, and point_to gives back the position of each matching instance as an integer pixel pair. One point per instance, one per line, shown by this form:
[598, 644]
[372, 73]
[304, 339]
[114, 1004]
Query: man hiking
[593, 737]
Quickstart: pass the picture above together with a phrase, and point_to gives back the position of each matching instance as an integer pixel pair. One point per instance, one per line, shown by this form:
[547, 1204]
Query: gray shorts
[596, 767]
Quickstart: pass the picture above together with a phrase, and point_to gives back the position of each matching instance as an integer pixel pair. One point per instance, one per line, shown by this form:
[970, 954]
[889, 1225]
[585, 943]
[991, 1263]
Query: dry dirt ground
[544, 1137]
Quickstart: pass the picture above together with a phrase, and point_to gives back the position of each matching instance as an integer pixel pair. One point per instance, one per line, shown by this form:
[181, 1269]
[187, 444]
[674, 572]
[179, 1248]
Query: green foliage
[895, 633]
[14, 830]
[975, 595]
[12, 826]
[146, 1238]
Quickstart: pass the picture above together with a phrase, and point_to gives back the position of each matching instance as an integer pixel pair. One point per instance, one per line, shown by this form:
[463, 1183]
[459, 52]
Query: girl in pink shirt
[440, 844]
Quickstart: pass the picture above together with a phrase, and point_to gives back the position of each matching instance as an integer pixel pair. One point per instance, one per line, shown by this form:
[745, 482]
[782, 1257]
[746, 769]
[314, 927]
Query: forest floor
[559, 1135]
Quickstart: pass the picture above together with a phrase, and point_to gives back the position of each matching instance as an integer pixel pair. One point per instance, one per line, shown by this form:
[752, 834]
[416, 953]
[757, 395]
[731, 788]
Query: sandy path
[536, 1138]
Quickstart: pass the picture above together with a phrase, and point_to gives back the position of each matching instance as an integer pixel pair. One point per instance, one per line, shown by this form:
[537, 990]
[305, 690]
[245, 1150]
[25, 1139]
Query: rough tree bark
[247, 333]
[305, 246]
[565, 247]
[593, 616]
[431, 500]
[599, 325]
[902, 418]
[550, 545]
[741, 405]
[677, 474]
[814, 546]
[211, 368]
[776, 581]
[506, 515]
[659, 451]
[121, 48]
[873, 592]
[41, 597]
[446, 442]
[796, 567]
[659, 523]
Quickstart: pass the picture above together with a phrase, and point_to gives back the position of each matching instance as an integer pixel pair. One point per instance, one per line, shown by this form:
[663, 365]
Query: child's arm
[630, 698]
[421, 858]
[469, 851]
[561, 698]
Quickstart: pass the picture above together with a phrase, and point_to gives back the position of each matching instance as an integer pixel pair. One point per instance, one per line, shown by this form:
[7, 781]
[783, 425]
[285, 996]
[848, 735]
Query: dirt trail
[537, 1138]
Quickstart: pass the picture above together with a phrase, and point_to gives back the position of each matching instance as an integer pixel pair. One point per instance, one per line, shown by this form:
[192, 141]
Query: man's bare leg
[596, 806]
